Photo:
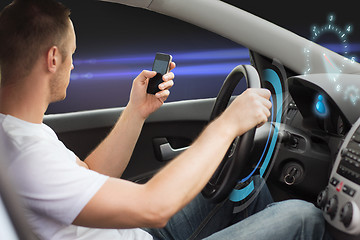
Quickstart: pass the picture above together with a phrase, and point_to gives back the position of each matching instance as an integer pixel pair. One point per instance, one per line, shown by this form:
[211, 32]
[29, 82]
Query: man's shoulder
[23, 143]
[22, 133]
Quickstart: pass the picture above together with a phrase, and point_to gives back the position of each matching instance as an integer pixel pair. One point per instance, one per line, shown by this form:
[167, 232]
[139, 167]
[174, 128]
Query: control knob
[331, 206]
[346, 214]
[322, 198]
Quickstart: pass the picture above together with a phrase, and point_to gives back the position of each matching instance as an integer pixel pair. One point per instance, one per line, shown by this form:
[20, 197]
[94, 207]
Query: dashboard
[324, 104]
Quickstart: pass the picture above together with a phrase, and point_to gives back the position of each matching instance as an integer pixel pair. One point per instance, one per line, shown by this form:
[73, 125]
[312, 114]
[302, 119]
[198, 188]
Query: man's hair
[28, 29]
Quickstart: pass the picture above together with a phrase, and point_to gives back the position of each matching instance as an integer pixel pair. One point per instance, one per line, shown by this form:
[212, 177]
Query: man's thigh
[218, 216]
[185, 222]
[292, 219]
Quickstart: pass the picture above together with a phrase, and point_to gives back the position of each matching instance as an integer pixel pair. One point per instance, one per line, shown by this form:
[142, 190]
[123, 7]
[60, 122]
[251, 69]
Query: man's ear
[53, 59]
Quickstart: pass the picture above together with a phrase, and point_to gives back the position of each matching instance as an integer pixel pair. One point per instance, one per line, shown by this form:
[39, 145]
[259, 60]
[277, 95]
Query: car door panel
[178, 123]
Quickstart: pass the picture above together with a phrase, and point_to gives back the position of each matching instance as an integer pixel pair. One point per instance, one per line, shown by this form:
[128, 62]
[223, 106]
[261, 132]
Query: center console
[340, 201]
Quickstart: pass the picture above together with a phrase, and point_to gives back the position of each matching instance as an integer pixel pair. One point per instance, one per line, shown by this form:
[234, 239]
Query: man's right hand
[248, 110]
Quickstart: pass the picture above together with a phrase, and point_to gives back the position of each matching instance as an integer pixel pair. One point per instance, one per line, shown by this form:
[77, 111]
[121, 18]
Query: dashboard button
[348, 190]
[339, 187]
[334, 182]
[356, 137]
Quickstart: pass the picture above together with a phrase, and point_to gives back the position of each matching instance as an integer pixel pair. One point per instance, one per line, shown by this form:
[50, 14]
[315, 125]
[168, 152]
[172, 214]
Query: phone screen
[161, 67]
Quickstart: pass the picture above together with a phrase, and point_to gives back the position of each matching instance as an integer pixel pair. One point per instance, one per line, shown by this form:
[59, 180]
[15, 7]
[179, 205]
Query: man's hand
[248, 110]
[144, 103]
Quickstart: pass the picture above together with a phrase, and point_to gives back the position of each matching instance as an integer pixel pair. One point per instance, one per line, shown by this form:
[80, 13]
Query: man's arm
[112, 156]
[123, 204]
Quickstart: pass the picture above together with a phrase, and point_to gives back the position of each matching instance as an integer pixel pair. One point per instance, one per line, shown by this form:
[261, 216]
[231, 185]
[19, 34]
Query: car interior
[309, 149]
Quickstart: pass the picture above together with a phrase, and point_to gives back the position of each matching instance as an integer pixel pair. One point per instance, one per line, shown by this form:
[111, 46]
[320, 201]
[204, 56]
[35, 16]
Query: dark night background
[115, 42]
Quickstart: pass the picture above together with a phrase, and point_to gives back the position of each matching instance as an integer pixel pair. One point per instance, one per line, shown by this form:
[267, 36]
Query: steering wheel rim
[227, 174]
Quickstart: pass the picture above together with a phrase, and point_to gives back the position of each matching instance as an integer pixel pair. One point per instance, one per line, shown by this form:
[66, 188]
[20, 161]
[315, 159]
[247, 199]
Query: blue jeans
[263, 219]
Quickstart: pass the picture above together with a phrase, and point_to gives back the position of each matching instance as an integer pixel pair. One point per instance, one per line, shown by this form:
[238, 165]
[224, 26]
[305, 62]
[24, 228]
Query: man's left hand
[145, 103]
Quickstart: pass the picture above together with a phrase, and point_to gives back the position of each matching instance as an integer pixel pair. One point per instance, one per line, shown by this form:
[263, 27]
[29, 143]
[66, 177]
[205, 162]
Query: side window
[115, 43]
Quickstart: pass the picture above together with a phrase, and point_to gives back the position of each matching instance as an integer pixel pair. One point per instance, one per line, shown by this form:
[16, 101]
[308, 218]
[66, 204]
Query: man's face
[61, 79]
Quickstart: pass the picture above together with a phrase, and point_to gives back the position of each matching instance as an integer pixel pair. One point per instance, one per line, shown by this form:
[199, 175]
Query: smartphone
[161, 66]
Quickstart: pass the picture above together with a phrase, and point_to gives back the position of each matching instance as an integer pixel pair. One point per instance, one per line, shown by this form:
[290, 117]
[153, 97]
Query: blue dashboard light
[320, 105]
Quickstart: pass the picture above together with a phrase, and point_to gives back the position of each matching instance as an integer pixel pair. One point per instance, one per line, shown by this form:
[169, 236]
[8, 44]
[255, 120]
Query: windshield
[116, 42]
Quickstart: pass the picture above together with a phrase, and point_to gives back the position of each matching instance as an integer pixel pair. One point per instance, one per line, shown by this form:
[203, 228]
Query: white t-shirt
[53, 186]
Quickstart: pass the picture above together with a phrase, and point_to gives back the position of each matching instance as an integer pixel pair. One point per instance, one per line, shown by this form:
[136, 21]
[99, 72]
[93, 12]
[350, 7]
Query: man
[61, 192]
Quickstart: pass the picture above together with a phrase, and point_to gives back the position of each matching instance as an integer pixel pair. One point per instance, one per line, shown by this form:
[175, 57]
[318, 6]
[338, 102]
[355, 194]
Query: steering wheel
[227, 174]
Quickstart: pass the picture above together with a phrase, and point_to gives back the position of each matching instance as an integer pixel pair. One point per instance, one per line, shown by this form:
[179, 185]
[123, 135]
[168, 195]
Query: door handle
[164, 151]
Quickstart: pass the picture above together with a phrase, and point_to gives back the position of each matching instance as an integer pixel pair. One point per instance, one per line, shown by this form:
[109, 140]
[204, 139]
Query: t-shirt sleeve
[53, 184]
